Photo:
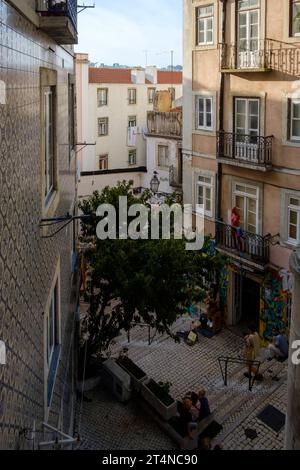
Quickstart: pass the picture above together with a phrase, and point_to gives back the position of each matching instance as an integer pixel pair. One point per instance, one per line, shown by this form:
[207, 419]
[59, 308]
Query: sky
[120, 31]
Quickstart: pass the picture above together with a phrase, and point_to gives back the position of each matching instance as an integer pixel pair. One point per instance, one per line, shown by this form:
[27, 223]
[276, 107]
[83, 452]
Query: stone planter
[138, 376]
[163, 403]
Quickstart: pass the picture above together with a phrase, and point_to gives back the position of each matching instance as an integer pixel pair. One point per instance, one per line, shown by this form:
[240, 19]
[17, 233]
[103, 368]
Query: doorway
[246, 301]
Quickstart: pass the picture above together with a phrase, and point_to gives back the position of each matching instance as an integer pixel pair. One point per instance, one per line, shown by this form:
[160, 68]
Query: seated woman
[185, 415]
[204, 409]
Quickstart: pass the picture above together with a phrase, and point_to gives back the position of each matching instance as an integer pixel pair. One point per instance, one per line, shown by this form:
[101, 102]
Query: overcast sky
[121, 30]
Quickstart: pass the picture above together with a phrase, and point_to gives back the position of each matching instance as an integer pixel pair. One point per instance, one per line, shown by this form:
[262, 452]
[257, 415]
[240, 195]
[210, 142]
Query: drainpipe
[221, 115]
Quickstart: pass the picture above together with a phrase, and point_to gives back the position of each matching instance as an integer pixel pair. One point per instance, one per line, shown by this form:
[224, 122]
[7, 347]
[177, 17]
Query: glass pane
[252, 219]
[250, 190]
[252, 205]
[241, 106]
[242, 19]
[208, 120]
[294, 202]
[296, 110]
[201, 104]
[208, 199]
[293, 217]
[201, 119]
[296, 128]
[253, 122]
[208, 105]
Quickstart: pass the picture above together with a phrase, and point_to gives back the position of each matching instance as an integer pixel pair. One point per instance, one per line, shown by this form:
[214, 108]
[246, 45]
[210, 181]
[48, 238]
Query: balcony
[58, 19]
[240, 244]
[175, 177]
[261, 56]
[253, 152]
[165, 124]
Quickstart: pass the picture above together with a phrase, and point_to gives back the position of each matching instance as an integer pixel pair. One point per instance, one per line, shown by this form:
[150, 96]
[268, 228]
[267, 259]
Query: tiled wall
[28, 262]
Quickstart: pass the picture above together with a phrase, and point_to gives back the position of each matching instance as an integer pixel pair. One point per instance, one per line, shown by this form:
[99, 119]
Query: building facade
[164, 150]
[115, 102]
[38, 297]
[241, 146]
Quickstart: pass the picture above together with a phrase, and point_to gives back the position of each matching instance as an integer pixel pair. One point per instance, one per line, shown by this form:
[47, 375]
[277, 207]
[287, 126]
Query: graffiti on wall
[275, 303]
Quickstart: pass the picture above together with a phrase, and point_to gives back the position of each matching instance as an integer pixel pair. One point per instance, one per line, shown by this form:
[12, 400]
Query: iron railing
[59, 8]
[245, 244]
[267, 54]
[245, 149]
[175, 177]
[226, 360]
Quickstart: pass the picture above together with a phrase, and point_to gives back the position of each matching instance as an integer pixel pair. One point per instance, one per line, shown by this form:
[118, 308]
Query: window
[204, 113]
[205, 25]
[53, 346]
[52, 328]
[49, 136]
[103, 162]
[245, 199]
[295, 18]
[102, 126]
[294, 119]
[246, 4]
[132, 96]
[102, 96]
[294, 220]
[163, 155]
[132, 157]
[151, 95]
[132, 121]
[173, 93]
[72, 105]
[204, 195]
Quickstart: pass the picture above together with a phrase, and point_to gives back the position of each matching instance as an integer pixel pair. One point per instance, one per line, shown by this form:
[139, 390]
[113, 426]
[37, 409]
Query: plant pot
[162, 402]
[138, 376]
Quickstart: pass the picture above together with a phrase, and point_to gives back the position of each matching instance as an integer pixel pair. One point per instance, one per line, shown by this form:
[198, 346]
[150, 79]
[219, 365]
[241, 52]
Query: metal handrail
[237, 360]
[64, 8]
[245, 148]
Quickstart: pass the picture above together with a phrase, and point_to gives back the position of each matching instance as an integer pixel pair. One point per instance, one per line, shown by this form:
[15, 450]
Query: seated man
[280, 346]
[204, 405]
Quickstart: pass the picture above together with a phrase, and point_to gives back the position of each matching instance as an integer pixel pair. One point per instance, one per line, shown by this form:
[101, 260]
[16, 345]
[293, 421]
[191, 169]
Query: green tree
[146, 281]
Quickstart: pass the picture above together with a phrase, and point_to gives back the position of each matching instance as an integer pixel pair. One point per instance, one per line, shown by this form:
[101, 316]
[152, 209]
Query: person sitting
[204, 405]
[196, 406]
[280, 346]
[185, 415]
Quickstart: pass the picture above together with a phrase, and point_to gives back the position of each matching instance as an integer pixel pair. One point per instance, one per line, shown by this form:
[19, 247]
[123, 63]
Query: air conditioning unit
[117, 380]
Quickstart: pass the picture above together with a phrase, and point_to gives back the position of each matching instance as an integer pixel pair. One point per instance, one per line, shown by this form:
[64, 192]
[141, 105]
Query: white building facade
[116, 102]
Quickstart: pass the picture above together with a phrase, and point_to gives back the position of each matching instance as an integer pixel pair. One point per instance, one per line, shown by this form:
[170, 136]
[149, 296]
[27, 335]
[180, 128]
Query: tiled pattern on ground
[187, 368]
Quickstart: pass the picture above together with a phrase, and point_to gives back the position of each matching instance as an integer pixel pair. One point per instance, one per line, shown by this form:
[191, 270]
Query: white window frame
[292, 20]
[49, 133]
[132, 96]
[293, 101]
[103, 158]
[105, 126]
[53, 313]
[132, 157]
[293, 208]
[102, 102]
[256, 196]
[205, 99]
[132, 119]
[166, 156]
[205, 185]
[151, 95]
[205, 17]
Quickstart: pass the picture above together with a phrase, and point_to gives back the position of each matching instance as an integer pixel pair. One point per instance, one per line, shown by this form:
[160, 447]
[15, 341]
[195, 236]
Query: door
[247, 124]
[247, 208]
[248, 53]
[237, 298]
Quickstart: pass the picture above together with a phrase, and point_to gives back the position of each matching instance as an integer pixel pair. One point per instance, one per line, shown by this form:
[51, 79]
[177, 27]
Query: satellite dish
[2, 353]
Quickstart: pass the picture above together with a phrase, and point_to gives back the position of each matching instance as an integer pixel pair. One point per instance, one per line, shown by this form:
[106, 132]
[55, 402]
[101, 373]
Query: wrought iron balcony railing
[245, 150]
[261, 55]
[59, 10]
[175, 177]
[252, 247]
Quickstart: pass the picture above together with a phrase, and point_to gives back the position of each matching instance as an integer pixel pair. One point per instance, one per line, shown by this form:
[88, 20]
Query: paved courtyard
[106, 424]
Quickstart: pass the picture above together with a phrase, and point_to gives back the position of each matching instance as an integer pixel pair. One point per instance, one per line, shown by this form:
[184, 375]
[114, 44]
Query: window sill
[205, 47]
[208, 132]
[52, 374]
[291, 143]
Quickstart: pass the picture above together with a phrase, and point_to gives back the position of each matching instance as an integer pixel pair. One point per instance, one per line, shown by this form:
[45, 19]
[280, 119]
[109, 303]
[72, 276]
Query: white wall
[152, 162]
[118, 111]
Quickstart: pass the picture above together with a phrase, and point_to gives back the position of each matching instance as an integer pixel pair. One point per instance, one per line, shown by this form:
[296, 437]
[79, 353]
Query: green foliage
[143, 281]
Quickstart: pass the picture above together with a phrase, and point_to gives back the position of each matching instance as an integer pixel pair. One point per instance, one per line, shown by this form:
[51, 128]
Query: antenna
[83, 7]
[146, 56]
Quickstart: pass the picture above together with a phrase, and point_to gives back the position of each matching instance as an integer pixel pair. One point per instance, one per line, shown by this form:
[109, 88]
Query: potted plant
[138, 376]
[157, 396]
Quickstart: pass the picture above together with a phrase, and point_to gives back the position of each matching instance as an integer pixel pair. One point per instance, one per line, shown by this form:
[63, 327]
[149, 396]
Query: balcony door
[248, 53]
[246, 199]
[247, 125]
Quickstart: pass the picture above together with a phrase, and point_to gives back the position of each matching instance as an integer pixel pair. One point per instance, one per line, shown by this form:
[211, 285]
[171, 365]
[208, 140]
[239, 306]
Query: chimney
[138, 76]
[151, 74]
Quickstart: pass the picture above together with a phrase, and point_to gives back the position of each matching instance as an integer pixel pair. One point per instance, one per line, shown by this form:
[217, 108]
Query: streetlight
[154, 183]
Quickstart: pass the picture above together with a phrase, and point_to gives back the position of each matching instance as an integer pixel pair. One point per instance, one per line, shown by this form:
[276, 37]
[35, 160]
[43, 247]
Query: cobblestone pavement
[107, 424]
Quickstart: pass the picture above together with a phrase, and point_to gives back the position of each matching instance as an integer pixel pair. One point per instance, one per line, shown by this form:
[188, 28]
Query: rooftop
[125, 76]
